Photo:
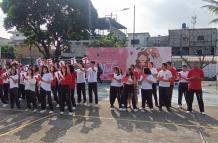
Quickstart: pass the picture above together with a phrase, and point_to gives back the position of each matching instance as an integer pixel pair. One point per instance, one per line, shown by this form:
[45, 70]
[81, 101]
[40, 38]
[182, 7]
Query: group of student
[125, 87]
[37, 84]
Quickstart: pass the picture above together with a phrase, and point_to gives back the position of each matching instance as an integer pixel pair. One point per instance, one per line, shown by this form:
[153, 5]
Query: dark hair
[44, 67]
[118, 70]
[64, 74]
[14, 70]
[53, 68]
[36, 68]
[133, 66]
[72, 70]
[151, 63]
[164, 64]
[147, 71]
[92, 62]
[31, 72]
[169, 63]
[131, 74]
[184, 66]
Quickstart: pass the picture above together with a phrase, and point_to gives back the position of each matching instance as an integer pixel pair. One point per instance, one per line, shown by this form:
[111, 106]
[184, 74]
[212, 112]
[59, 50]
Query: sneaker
[20, 99]
[47, 105]
[120, 109]
[160, 109]
[179, 106]
[51, 112]
[27, 110]
[74, 108]
[203, 113]
[42, 111]
[96, 105]
[188, 112]
[135, 110]
[35, 110]
[124, 109]
[61, 113]
[70, 113]
[152, 109]
[169, 110]
[4, 105]
[112, 108]
[65, 107]
[57, 106]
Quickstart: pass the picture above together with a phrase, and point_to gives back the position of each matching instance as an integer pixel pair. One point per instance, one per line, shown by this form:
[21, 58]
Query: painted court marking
[104, 118]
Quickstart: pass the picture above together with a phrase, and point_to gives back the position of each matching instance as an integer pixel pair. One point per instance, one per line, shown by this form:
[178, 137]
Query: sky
[153, 16]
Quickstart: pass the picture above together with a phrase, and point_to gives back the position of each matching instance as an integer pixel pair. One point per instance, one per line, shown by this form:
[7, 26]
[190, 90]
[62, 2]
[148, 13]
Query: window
[17, 35]
[200, 38]
[135, 42]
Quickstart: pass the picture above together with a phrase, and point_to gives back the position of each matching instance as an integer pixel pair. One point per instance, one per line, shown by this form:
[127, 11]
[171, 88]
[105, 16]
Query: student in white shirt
[81, 83]
[129, 81]
[13, 88]
[30, 84]
[6, 81]
[147, 80]
[115, 88]
[154, 72]
[45, 90]
[164, 77]
[183, 85]
[92, 82]
[21, 82]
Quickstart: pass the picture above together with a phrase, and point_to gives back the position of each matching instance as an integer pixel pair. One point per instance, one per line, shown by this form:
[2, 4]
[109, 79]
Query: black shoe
[169, 110]
[160, 109]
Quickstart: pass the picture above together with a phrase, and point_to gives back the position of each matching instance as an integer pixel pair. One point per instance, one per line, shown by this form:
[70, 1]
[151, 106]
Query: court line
[23, 126]
[114, 119]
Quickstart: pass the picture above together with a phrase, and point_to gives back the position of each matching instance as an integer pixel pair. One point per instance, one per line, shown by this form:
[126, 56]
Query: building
[138, 39]
[158, 41]
[4, 41]
[193, 41]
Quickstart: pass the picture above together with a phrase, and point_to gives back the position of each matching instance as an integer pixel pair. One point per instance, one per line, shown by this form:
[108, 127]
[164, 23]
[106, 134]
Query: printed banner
[124, 57]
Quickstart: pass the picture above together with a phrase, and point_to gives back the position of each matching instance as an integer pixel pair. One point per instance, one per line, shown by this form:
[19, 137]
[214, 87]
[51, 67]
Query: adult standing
[195, 76]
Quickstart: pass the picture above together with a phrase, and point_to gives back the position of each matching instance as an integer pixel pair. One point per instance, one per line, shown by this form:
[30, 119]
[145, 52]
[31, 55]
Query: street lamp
[111, 15]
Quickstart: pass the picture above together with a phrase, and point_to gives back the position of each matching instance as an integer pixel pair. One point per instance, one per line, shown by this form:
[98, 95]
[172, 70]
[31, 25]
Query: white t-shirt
[30, 83]
[48, 78]
[166, 75]
[12, 84]
[115, 82]
[22, 76]
[146, 84]
[92, 74]
[154, 72]
[183, 75]
[80, 76]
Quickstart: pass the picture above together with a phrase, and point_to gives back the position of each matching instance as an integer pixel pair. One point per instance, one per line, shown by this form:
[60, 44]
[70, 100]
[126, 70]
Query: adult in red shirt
[195, 77]
[72, 84]
[64, 96]
[1, 87]
[174, 77]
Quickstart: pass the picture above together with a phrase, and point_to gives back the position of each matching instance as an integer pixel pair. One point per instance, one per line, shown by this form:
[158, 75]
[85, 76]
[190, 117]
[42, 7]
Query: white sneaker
[179, 106]
[65, 107]
[188, 112]
[4, 105]
[62, 113]
[20, 99]
[70, 113]
[203, 113]
[51, 112]
[47, 105]
[57, 106]
[27, 110]
[42, 111]
[152, 109]
[120, 109]
[112, 108]
[35, 110]
[135, 110]
[124, 109]
[74, 108]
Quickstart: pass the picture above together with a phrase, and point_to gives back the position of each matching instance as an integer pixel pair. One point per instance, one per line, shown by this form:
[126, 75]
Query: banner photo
[124, 57]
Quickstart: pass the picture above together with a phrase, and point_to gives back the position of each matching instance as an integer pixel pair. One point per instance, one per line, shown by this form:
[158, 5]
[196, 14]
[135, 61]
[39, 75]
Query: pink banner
[124, 57]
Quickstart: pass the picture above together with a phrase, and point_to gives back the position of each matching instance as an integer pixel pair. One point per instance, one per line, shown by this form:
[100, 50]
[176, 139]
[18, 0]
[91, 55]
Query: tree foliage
[212, 6]
[110, 40]
[8, 52]
[48, 23]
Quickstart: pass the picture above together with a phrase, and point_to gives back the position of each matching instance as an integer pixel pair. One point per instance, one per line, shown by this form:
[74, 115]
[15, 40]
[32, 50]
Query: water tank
[184, 26]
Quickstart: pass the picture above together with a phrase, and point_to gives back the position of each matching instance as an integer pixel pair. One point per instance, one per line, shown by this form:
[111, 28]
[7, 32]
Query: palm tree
[212, 6]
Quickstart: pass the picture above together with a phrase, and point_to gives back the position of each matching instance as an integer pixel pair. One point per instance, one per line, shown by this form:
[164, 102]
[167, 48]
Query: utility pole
[133, 28]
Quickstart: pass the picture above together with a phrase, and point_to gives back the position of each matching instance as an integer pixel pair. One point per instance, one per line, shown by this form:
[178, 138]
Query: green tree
[48, 23]
[110, 40]
[212, 6]
[7, 51]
